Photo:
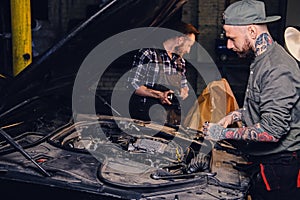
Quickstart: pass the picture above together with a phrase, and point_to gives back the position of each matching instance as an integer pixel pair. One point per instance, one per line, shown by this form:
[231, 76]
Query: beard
[246, 54]
[246, 51]
[179, 50]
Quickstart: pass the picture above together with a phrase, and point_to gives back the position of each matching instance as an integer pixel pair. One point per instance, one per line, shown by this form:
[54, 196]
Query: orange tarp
[216, 100]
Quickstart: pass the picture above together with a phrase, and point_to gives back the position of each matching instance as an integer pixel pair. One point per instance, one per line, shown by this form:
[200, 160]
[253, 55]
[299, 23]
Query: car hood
[55, 70]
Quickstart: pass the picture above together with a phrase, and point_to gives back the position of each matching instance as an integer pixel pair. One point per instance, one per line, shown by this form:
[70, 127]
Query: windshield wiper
[19, 148]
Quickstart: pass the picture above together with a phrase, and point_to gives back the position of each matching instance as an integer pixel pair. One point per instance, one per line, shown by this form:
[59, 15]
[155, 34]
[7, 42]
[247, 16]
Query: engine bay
[138, 154]
[136, 158]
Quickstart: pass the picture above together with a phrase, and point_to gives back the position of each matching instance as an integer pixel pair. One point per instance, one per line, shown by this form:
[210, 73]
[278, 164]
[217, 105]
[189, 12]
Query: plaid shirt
[145, 69]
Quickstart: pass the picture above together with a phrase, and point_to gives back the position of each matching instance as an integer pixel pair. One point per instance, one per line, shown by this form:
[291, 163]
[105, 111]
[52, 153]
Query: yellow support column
[21, 34]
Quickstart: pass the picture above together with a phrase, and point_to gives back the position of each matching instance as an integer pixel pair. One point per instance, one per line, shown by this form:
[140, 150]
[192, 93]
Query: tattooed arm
[253, 133]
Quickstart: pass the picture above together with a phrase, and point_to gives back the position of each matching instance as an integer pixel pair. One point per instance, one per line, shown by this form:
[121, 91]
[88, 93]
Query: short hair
[182, 27]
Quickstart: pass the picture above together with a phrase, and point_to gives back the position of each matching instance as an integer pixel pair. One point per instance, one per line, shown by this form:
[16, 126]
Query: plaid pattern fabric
[145, 69]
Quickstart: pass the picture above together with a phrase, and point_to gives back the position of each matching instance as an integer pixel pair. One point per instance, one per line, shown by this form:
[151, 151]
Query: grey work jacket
[272, 99]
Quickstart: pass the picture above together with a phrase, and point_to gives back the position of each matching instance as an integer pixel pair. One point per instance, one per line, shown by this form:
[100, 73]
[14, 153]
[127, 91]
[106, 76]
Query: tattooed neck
[262, 43]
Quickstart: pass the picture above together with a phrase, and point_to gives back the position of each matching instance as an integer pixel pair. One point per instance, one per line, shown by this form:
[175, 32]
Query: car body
[46, 153]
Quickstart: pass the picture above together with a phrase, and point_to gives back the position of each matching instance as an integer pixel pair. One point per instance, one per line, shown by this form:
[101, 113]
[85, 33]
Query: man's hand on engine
[213, 131]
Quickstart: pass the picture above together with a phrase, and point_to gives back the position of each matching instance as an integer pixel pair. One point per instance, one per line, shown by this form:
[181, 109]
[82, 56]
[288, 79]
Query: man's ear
[252, 31]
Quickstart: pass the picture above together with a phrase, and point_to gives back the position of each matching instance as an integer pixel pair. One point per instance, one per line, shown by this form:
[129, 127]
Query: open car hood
[48, 82]
[44, 152]
[55, 70]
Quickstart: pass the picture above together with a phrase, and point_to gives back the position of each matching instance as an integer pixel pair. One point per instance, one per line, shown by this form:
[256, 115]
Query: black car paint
[36, 106]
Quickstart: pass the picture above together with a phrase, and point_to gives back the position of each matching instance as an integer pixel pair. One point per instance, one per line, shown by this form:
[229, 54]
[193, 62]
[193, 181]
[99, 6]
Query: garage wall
[62, 16]
[292, 17]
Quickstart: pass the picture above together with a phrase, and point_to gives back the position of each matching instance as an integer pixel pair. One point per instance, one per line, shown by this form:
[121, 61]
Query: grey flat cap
[247, 12]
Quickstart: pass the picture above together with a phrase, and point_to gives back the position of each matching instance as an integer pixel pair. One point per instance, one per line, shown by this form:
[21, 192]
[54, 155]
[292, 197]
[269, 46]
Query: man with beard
[270, 135]
[158, 77]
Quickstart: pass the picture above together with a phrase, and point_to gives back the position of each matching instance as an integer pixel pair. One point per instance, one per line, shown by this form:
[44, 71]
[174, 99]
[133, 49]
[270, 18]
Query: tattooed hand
[213, 131]
[230, 119]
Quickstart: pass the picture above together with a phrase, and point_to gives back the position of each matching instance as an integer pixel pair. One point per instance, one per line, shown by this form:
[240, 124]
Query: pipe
[21, 34]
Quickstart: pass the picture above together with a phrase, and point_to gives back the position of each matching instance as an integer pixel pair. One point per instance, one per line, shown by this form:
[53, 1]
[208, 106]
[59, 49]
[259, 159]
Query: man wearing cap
[270, 135]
